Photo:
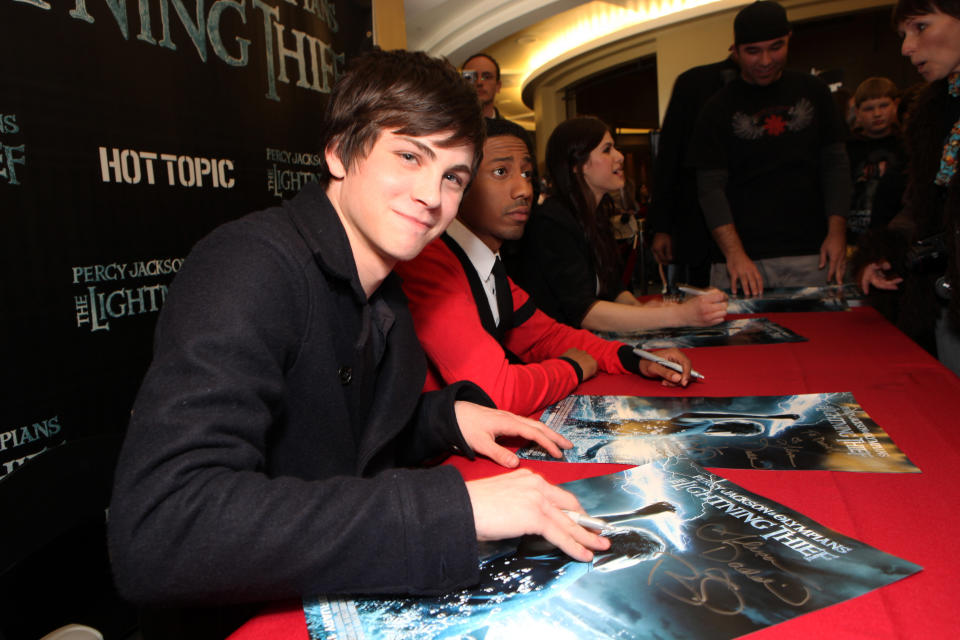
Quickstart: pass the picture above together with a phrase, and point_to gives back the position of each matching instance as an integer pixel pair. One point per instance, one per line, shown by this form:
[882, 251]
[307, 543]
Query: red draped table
[913, 516]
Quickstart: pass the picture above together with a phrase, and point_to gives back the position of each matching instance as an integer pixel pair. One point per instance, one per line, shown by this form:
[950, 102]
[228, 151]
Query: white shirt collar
[480, 254]
[482, 259]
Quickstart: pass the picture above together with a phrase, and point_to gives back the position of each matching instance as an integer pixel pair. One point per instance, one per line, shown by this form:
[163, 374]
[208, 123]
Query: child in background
[877, 159]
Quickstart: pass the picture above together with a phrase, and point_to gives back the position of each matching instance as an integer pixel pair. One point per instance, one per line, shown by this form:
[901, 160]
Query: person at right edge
[772, 171]
[919, 247]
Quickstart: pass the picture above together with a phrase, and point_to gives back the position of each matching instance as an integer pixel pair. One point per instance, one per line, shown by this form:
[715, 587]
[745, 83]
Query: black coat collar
[317, 222]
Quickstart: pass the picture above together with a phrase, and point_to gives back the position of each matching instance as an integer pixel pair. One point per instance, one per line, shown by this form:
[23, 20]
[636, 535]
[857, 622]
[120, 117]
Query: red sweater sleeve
[542, 337]
[448, 325]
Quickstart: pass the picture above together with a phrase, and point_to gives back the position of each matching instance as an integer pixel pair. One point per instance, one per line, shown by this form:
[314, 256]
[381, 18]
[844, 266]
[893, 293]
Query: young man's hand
[481, 426]
[670, 377]
[744, 271]
[740, 267]
[521, 503]
[833, 251]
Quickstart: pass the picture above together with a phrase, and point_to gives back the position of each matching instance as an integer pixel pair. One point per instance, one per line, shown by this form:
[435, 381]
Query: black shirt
[769, 139]
[877, 167]
[674, 208]
[554, 264]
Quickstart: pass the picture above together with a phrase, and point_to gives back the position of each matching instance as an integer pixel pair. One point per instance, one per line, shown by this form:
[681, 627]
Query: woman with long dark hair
[929, 226]
[568, 260]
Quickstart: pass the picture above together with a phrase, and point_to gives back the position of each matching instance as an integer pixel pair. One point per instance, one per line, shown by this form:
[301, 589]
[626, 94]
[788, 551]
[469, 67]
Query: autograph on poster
[692, 555]
[822, 431]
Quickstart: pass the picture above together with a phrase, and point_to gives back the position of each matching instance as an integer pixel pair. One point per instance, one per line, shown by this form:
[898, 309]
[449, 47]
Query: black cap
[759, 22]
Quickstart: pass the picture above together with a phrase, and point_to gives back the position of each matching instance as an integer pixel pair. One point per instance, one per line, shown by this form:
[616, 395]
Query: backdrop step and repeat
[128, 130]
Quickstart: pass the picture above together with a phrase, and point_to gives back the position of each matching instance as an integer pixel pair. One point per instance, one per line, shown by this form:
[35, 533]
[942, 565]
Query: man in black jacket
[680, 233]
[265, 450]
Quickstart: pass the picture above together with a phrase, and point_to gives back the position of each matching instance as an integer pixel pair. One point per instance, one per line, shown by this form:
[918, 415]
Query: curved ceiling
[530, 37]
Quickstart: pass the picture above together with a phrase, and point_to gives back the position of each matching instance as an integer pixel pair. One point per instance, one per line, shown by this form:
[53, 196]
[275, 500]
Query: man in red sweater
[475, 324]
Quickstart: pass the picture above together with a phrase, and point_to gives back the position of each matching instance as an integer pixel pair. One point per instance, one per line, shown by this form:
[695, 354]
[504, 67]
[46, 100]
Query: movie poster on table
[733, 333]
[692, 556]
[793, 299]
[129, 130]
[815, 431]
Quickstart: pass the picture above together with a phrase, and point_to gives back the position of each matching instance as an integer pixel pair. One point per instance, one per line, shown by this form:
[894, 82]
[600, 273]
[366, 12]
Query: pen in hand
[691, 291]
[589, 522]
[646, 355]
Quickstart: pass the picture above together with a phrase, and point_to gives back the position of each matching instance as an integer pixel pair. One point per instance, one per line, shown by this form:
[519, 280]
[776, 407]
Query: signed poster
[785, 299]
[692, 556]
[824, 431]
[726, 334]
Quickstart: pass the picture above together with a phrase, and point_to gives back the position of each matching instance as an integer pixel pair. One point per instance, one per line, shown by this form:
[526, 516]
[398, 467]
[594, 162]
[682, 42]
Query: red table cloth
[913, 516]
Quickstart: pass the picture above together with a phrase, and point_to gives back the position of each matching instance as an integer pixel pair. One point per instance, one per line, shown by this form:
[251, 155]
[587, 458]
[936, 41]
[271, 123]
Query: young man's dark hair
[406, 92]
[503, 127]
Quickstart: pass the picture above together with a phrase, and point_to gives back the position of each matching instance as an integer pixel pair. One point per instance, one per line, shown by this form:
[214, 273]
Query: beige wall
[690, 44]
[389, 24]
[549, 106]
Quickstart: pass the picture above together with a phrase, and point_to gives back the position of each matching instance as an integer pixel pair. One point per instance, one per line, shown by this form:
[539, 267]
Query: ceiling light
[601, 23]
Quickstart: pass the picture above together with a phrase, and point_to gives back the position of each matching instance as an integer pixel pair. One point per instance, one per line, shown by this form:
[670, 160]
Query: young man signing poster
[266, 450]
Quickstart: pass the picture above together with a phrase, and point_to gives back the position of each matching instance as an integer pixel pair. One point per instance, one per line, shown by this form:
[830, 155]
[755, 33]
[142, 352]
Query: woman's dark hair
[407, 92]
[568, 149]
[912, 8]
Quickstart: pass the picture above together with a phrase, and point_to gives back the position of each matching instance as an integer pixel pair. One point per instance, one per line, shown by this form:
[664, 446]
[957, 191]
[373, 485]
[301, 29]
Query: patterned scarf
[948, 162]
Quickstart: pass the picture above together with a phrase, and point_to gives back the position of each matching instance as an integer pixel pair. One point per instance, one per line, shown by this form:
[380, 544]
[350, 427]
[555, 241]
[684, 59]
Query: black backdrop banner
[128, 130]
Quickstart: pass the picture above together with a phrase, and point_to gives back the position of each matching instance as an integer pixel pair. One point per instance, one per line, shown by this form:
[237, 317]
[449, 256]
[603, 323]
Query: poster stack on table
[787, 299]
[815, 431]
[733, 333]
[745, 331]
[692, 555]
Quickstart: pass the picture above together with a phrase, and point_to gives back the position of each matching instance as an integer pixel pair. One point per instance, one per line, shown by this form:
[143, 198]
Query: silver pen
[691, 291]
[588, 522]
[646, 355]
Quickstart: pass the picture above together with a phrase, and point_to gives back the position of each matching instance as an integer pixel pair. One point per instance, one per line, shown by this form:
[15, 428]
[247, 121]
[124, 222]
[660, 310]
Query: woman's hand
[704, 310]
